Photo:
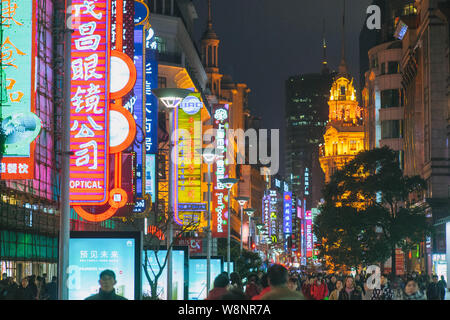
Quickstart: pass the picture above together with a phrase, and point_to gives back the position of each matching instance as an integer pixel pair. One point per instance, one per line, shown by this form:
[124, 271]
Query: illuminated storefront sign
[273, 215]
[287, 216]
[220, 204]
[17, 92]
[306, 182]
[266, 214]
[89, 129]
[309, 234]
[189, 163]
[151, 102]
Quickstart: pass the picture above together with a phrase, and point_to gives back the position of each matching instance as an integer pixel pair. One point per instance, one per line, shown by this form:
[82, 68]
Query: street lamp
[209, 157]
[171, 98]
[249, 212]
[229, 183]
[242, 202]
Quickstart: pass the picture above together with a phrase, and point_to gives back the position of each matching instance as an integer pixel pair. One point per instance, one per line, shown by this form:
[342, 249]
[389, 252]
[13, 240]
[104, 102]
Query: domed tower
[344, 136]
[210, 55]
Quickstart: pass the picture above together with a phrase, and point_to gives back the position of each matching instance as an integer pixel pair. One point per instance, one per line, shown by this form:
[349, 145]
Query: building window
[383, 68]
[162, 82]
[391, 129]
[162, 44]
[393, 67]
[353, 145]
[390, 98]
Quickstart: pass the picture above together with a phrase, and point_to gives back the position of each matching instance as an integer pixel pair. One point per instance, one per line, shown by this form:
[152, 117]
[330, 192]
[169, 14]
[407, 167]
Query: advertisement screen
[179, 273]
[91, 253]
[197, 276]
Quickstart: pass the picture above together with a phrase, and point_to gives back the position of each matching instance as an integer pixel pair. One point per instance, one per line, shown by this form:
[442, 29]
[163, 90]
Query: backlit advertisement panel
[219, 209]
[287, 216]
[179, 273]
[197, 276]
[17, 92]
[309, 234]
[91, 253]
[189, 162]
[89, 111]
[273, 216]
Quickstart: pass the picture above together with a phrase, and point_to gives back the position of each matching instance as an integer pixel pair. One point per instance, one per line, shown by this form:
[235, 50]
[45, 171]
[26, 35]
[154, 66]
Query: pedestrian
[235, 282]
[32, 285]
[331, 284]
[435, 290]
[41, 289]
[265, 287]
[52, 289]
[292, 283]
[412, 291]
[350, 291]
[24, 292]
[384, 292]
[444, 285]
[278, 281]
[252, 289]
[334, 295]
[10, 291]
[306, 288]
[220, 287]
[319, 289]
[107, 281]
[234, 294]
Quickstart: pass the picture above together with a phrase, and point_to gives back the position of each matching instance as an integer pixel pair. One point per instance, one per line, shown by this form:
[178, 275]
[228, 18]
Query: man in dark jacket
[435, 290]
[107, 292]
[24, 292]
[52, 289]
[220, 287]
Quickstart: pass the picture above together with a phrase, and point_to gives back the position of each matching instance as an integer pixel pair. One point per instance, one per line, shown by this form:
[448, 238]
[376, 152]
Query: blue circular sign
[191, 105]
[140, 12]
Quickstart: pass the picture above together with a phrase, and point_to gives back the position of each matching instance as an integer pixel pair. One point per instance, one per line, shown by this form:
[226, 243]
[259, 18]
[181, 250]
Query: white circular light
[191, 105]
[119, 128]
[120, 74]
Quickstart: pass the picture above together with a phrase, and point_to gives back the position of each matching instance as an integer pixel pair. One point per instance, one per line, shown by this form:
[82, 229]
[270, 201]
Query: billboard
[309, 234]
[92, 252]
[273, 216]
[179, 273]
[219, 209]
[89, 111]
[197, 276]
[17, 91]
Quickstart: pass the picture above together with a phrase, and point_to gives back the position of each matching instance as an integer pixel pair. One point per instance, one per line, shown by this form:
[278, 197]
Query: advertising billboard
[89, 111]
[309, 234]
[17, 91]
[287, 214]
[179, 273]
[197, 276]
[219, 209]
[92, 252]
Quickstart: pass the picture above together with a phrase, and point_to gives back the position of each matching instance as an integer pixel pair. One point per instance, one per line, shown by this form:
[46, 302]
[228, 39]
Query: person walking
[412, 291]
[41, 289]
[334, 295]
[107, 282]
[331, 284]
[235, 282]
[278, 281]
[52, 289]
[306, 288]
[350, 291]
[252, 289]
[265, 287]
[444, 285]
[220, 287]
[435, 290]
[319, 289]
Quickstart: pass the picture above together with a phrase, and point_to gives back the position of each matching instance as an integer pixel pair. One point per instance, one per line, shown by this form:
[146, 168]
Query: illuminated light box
[179, 273]
[225, 266]
[92, 252]
[197, 276]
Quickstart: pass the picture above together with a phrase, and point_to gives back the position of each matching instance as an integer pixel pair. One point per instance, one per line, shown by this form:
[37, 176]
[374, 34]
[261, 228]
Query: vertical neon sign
[287, 217]
[17, 92]
[219, 210]
[89, 129]
[309, 234]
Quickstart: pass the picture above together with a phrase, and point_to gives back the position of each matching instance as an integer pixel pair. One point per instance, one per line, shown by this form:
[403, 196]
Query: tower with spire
[210, 55]
[344, 136]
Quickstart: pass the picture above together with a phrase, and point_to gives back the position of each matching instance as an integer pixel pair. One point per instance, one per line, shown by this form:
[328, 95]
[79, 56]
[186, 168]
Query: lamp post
[249, 212]
[171, 99]
[229, 183]
[242, 202]
[209, 156]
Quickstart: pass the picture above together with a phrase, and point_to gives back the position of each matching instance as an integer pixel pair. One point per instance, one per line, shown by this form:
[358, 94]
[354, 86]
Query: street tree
[368, 211]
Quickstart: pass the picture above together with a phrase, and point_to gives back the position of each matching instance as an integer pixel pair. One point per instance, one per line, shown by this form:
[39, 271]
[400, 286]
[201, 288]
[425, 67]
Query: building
[425, 73]
[383, 99]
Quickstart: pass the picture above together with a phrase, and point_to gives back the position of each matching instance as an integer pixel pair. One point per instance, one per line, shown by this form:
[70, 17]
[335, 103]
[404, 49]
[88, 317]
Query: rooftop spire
[209, 32]
[324, 45]
[343, 65]
[209, 15]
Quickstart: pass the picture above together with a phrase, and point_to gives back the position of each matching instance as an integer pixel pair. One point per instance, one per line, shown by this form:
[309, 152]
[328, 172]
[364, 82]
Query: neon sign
[89, 131]
[309, 234]
[220, 202]
[17, 92]
[287, 217]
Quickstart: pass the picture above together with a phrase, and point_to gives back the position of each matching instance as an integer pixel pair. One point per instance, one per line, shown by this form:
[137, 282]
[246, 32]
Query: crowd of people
[280, 284]
[30, 288]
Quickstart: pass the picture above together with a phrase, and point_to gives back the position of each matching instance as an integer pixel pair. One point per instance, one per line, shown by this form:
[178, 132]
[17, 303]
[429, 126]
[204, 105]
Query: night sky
[263, 42]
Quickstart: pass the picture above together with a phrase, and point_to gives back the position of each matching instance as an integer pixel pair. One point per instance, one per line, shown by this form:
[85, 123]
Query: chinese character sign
[309, 234]
[89, 128]
[219, 209]
[17, 92]
[287, 216]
